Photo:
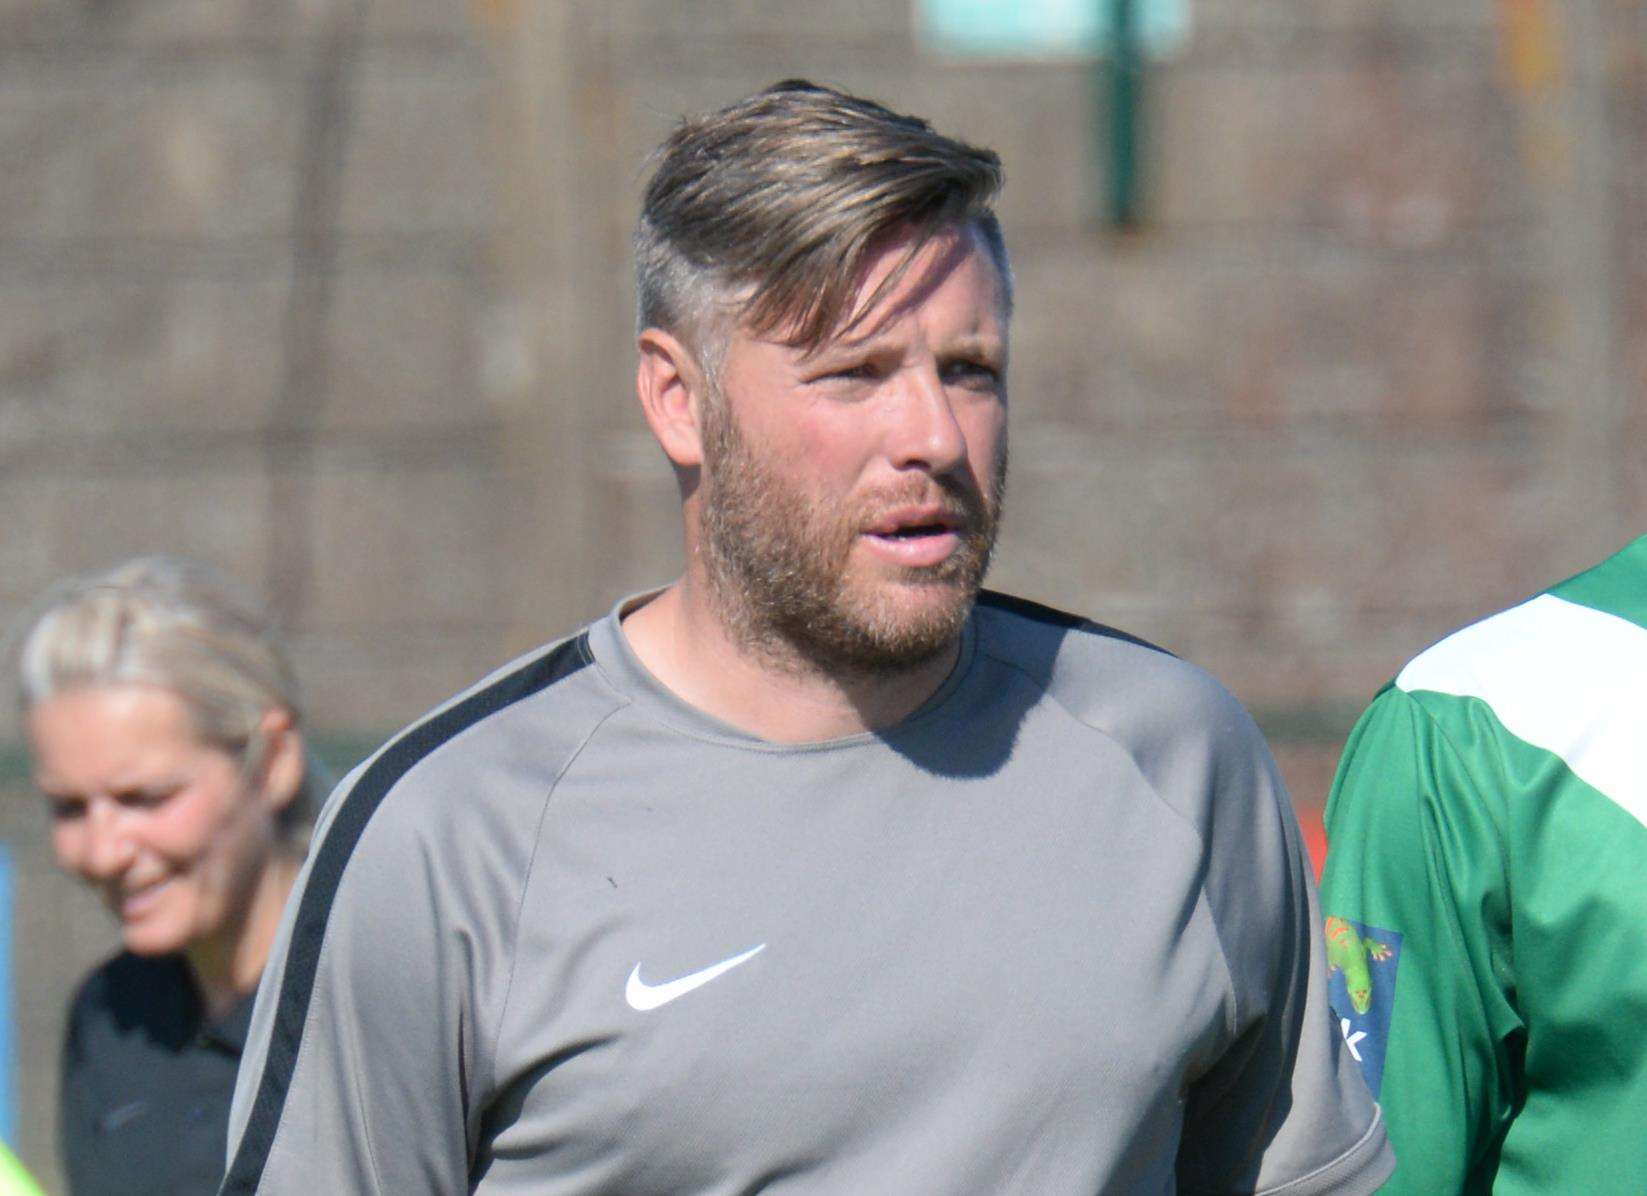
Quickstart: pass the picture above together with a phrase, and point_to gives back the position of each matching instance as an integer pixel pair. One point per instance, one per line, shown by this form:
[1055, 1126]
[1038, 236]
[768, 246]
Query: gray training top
[1053, 934]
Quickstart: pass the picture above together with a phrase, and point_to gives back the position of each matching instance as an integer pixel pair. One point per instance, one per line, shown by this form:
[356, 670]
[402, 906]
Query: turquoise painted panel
[1043, 28]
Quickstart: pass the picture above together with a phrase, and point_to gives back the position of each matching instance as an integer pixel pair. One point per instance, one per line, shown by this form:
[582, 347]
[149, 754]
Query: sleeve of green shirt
[1416, 892]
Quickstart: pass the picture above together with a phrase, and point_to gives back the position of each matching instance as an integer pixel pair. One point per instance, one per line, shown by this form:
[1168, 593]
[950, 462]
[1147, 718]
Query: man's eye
[975, 373]
[862, 372]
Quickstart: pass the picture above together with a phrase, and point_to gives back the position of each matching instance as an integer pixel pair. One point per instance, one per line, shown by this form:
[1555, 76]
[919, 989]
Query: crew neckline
[617, 660]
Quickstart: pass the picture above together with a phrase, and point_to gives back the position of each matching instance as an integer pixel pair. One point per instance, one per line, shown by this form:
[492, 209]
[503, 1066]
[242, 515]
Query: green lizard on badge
[1348, 952]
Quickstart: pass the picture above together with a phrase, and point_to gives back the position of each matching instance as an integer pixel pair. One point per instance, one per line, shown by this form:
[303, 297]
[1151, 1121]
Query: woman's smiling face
[164, 826]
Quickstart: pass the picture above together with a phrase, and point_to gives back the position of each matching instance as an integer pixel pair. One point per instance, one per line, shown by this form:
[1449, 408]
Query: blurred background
[1332, 330]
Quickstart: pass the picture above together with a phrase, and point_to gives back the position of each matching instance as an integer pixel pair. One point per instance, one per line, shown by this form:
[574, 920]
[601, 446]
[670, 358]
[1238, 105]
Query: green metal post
[1121, 70]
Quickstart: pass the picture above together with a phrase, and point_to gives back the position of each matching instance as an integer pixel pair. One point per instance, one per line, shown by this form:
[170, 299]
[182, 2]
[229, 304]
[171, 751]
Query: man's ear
[672, 390]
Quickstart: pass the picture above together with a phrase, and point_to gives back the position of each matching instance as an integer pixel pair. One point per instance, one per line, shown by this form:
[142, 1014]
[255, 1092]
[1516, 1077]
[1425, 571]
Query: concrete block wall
[244, 288]
[335, 294]
[244, 292]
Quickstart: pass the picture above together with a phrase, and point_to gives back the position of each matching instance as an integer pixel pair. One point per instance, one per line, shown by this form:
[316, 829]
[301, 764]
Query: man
[1487, 880]
[809, 872]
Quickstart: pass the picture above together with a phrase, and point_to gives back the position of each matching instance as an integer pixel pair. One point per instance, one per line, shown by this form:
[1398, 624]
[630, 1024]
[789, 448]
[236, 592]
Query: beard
[778, 562]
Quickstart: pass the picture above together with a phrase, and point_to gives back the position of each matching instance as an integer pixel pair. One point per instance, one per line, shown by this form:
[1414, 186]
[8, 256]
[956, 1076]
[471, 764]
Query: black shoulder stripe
[1024, 608]
[309, 930]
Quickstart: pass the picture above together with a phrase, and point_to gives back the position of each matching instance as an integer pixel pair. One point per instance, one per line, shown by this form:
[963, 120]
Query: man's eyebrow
[837, 351]
[975, 343]
[850, 342]
[968, 342]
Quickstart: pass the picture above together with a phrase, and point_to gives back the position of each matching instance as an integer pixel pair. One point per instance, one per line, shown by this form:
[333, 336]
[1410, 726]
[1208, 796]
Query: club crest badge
[1361, 966]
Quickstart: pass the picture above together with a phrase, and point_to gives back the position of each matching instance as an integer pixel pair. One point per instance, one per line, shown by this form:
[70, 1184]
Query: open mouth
[911, 523]
[915, 537]
[914, 531]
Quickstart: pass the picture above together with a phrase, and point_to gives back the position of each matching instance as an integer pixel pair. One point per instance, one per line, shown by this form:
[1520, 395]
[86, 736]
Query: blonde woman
[163, 725]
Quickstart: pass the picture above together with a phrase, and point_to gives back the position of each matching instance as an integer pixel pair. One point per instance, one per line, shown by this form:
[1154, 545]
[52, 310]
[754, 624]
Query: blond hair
[176, 625]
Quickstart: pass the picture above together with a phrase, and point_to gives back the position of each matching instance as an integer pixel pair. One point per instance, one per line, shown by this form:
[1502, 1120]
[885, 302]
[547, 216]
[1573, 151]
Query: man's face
[851, 495]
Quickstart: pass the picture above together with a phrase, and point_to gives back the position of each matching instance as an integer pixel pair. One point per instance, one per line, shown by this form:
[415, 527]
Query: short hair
[176, 625]
[769, 209]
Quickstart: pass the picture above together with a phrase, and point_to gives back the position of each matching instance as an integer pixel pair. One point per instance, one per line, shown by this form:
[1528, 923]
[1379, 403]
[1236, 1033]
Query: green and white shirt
[1486, 886]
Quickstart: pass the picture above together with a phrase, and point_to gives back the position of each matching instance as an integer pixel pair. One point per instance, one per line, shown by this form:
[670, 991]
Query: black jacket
[147, 1081]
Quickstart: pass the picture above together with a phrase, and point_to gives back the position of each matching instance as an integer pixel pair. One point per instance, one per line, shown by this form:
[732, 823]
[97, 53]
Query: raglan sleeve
[362, 1054]
[1281, 1106]
[1416, 892]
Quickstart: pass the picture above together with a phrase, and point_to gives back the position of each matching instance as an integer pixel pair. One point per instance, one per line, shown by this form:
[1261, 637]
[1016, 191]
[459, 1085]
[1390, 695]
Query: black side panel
[309, 931]
[1024, 608]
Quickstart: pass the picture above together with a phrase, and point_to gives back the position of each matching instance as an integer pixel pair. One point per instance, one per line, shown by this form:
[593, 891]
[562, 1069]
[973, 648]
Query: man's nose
[925, 433]
[108, 847]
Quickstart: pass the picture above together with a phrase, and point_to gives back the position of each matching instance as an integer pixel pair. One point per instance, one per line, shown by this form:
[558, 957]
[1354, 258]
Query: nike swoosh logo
[115, 1118]
[644, 997]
